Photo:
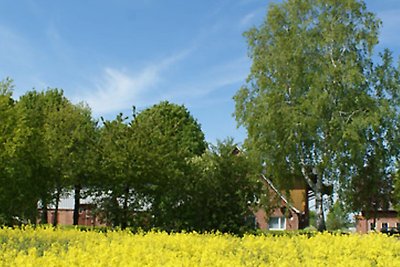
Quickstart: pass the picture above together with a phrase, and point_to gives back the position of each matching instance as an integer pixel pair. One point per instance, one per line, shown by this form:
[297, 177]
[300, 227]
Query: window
[277, 223]
[372, 226]
[385, 225]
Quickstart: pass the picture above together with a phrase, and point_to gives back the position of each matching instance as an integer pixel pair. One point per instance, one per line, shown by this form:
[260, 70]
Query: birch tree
[313, 101]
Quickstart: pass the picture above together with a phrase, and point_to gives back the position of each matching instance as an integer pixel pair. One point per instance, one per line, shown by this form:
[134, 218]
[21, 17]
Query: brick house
[384, 220]
[65, 216]
[66, 212]
[289, 213]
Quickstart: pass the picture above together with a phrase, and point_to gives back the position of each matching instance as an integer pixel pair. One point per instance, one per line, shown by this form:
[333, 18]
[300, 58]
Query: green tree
[53, 140]
[314, 98]
[71, 137]
[34, 106]
[17, 201]
[119, 184]
[396, 191]
[337, 218]
[168, 137]
[313, 219]
[225, 186]
[371, 186]
[60, 137]
[83, 157]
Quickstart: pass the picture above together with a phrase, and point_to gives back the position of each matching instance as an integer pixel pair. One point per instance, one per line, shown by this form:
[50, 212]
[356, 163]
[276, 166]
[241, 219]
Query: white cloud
[251, 18]
[247, 19]
[118, 90]
[232, 73]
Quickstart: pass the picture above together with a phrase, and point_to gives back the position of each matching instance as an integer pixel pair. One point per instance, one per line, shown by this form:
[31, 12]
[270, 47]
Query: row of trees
[319, 106]
[153, 170]
[45, 147]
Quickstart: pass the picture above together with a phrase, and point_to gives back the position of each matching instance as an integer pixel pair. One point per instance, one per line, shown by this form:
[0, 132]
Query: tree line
[153, 170]
[319, 106]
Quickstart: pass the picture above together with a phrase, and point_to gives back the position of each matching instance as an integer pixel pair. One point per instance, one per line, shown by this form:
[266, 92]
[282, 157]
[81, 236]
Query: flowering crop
[46, 246]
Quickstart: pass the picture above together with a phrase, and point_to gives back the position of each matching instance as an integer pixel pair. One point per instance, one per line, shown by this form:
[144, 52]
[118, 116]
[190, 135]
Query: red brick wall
[292, 219]
[363, 225]
[65, 217]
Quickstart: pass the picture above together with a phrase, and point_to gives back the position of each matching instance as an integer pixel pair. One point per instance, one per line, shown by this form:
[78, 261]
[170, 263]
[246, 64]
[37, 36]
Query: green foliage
[146, 166]
[168, 137]
[371, 185]
[153, 171]
[44, 154]
[315, 105]
[55, 147]
[313, 219]
[337, 218]
[157, 173]
[119, 184]
[226, 185]
[15, 195]
[50, 118]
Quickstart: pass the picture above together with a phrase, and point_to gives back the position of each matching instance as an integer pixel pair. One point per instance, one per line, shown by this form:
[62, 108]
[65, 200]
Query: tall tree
[70, 137]
[48, 117]
[168, 137]
[312, 97]
[17, 200]
[83, 156]
[118, 185]
[58, 136]
[33, 105]
[371, 186]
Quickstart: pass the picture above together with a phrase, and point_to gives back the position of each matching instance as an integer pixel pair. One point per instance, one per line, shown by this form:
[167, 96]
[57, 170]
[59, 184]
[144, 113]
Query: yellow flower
[47, 246]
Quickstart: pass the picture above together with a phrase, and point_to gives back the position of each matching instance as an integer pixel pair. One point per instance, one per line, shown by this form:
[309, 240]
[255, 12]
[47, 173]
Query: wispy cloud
[117, 90]
[251, 18]
[219, 77]
[247, 19]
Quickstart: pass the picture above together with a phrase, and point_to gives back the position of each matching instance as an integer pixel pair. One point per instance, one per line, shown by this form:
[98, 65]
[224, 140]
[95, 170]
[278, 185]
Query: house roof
[67, 203]
[269, 182]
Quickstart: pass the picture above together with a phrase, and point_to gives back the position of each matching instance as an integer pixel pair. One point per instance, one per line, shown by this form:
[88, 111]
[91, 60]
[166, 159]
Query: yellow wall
[298, 199]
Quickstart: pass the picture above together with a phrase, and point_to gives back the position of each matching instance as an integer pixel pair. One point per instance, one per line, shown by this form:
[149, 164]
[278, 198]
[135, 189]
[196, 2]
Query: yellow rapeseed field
[46, 246]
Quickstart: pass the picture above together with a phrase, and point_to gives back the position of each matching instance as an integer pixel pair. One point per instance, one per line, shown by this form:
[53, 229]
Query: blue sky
[115, 54]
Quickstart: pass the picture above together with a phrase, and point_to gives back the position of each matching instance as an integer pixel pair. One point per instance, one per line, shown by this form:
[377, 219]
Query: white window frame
[280, 219]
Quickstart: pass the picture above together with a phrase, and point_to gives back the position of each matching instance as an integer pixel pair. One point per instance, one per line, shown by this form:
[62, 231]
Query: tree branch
[306, 176]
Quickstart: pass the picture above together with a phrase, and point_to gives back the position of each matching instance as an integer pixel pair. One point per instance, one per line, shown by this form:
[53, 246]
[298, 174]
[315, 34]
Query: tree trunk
[124, 222]
[77, 203]
[319, 205]
[115, 211]
[375, 215]
[55, 218]
[43, 219]
[315, 182]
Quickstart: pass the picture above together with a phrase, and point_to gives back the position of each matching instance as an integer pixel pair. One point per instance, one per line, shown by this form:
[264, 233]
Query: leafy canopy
[316, 106]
